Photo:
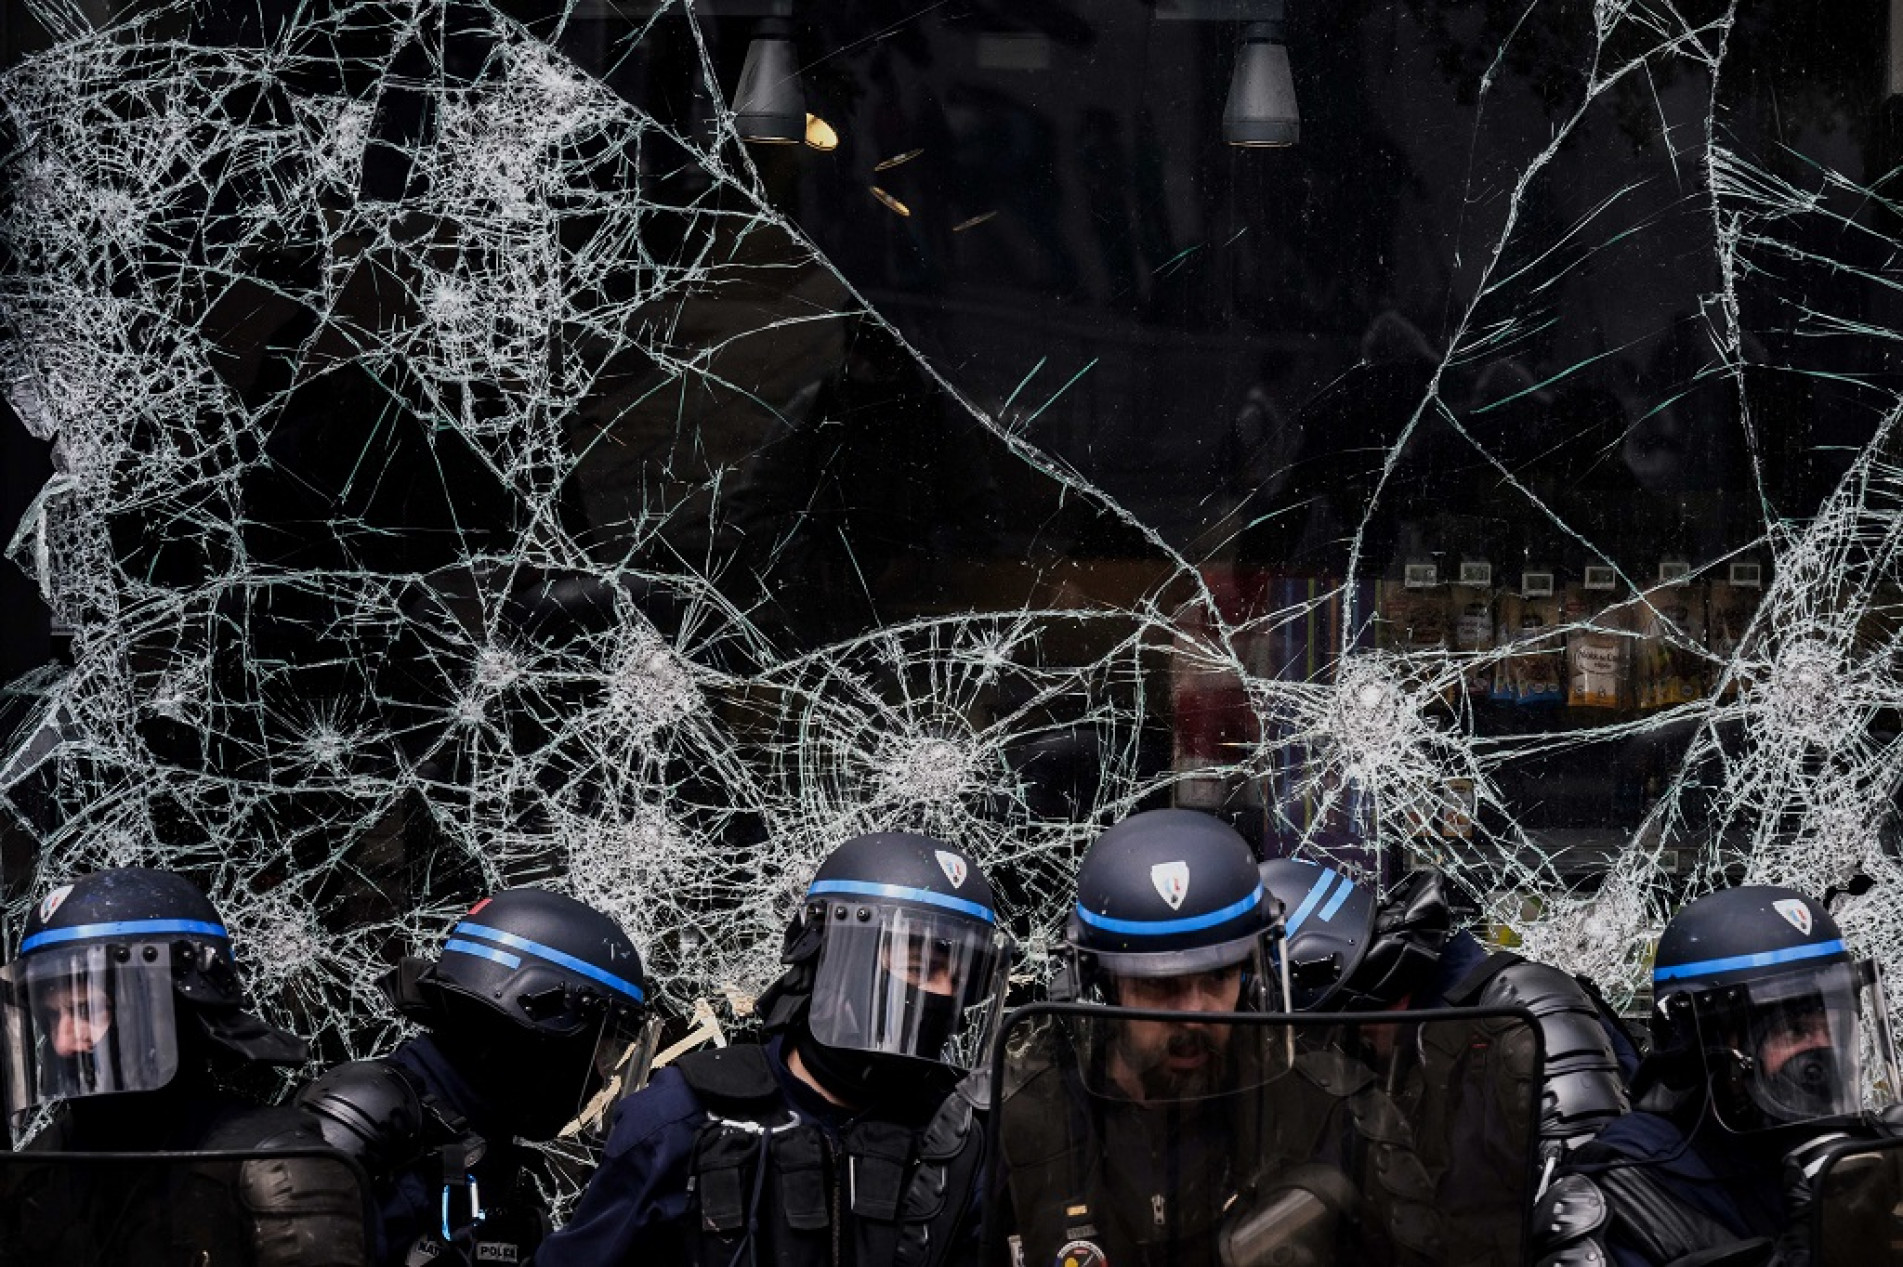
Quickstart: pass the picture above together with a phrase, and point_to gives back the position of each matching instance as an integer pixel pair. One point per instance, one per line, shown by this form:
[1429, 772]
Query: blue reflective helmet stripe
[120, 929]
[1336, 902]
[1762, 959]
[1314, 897]
[503, 957]
[903, 893]
[552, 955]
[1167, 927]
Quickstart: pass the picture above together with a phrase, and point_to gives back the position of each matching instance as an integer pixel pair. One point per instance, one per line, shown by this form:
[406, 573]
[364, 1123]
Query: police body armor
[246, 1208]
[377, 1113]
[770, 1186]
[1280, 1147]
[1581, 1086]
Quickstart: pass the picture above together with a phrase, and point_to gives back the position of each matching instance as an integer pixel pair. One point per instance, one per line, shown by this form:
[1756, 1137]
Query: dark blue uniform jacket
[413, 1203]
[634, 1212]
[1720, 1176]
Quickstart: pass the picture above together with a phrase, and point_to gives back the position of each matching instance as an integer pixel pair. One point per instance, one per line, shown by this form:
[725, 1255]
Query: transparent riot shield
[1857, 1205]
[242, 1209]
[1135, 1138]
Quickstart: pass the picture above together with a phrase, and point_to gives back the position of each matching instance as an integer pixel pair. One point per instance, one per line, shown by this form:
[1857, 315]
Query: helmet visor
[91, 1020]
[1175, 963]
[1807, 1041]
[623, 1058]
[625, 1053]
[901, 981]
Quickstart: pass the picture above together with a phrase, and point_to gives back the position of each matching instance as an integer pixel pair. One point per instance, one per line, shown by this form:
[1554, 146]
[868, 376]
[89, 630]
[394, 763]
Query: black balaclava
[865, 1080]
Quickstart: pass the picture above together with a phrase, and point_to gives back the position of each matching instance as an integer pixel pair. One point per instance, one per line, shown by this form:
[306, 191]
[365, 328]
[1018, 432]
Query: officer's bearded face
[1174, 1060]
[76, 1018]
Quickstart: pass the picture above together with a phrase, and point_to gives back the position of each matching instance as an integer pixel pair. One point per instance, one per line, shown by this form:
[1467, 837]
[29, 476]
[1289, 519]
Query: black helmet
[537, 996]
[896, 951]
[1349, 952]
[93, 999]
[1170, 893]
[1755, 992]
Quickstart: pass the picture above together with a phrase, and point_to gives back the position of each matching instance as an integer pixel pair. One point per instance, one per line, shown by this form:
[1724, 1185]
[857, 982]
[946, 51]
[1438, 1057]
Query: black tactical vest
[770, 1186]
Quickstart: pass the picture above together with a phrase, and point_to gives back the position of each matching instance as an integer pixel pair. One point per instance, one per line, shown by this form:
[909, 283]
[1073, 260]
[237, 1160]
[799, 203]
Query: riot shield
[1182, 1139]
[1857, 1205]
[305, 1208]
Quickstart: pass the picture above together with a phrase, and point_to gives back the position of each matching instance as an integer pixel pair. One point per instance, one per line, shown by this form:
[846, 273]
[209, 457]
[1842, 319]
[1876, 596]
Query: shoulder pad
[1583, 1088]
[262, 1129]
[734, 1078]
[1334, 1072]
[367, 1109]
[1537, 987]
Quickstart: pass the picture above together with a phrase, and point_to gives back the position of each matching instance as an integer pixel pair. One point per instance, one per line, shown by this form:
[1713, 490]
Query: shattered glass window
[633, 446]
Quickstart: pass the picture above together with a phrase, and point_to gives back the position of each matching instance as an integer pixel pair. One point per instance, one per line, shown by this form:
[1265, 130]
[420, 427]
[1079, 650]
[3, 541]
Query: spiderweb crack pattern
[398, 569]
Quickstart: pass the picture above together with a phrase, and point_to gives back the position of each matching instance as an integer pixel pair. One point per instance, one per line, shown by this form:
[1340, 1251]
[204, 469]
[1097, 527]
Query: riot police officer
[121, 1012]
[1761, 1022]
[1349, 952]
[850, 1136]
[535, 1003]
[1182, 1140]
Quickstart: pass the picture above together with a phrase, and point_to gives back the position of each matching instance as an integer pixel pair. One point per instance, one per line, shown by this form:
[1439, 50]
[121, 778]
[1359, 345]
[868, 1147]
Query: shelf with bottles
[1581, 641]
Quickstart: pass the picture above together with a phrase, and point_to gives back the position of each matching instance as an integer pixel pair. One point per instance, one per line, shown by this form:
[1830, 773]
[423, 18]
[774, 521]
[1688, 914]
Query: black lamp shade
[1261, 110]
[769, 105]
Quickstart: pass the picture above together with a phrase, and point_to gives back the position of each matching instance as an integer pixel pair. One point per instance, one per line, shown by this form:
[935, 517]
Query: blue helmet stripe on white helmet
[551, 955]
[1762, 959]
[903, 893]
[119, 929]
[1168, 927]
[1328, 877]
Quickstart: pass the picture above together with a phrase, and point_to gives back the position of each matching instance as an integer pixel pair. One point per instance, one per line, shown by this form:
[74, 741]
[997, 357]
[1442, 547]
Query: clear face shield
[624, 1055]
[899, 981]
[91, 1020]
[1804, 1045]
[622, 1060]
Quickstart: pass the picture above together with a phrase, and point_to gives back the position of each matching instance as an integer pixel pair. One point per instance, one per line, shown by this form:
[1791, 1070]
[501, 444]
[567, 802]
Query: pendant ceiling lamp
[769, 105]
[1261, 111]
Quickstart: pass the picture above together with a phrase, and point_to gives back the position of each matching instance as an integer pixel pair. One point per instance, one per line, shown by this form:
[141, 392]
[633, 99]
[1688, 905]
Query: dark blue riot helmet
[1347, 951]
[1756, 995]
[1169, 893]
[896, 952]
[537, 997]
[123, 978]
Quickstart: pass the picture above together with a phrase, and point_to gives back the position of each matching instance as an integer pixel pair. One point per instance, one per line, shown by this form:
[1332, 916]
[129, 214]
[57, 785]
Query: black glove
[1801, 1168]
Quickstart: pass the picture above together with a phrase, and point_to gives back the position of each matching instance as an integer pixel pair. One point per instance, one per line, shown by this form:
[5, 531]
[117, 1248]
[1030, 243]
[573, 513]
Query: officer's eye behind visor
[1806, 1041]
[899, 981]
[93, 1020]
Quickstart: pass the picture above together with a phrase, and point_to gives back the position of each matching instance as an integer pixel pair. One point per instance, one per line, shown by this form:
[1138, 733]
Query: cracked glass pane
[467, 460]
